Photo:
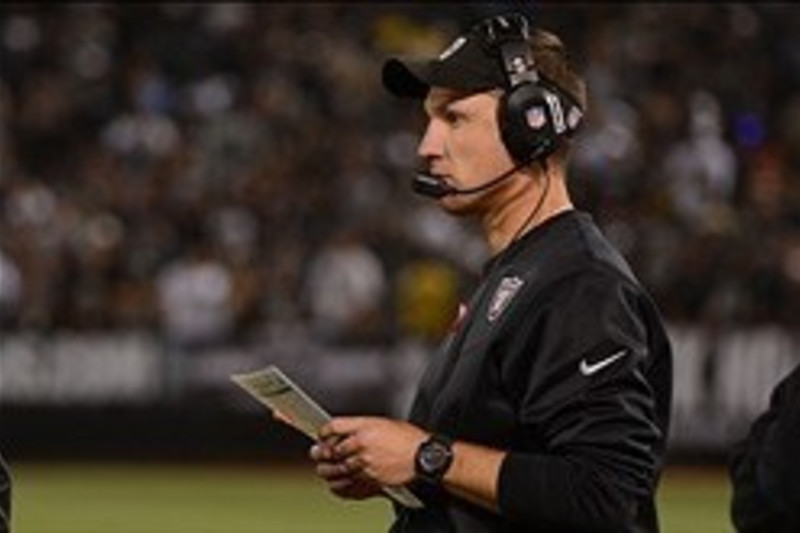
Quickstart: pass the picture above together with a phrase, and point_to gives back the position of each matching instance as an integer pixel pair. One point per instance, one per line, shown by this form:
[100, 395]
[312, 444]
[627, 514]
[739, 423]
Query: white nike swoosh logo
[588, 369]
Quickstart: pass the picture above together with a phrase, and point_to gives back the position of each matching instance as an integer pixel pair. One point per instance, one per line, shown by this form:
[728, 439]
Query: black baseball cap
[468, 64]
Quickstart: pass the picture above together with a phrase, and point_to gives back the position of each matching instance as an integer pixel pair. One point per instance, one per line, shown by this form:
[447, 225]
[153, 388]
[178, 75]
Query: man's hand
[354, 450]
[280, 417]
[341, 480]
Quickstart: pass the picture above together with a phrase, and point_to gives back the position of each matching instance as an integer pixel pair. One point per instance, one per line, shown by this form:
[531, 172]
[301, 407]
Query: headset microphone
[434, 186]
[431, 186]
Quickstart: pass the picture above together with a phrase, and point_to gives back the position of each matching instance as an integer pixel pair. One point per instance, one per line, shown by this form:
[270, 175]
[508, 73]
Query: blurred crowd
[208, 170]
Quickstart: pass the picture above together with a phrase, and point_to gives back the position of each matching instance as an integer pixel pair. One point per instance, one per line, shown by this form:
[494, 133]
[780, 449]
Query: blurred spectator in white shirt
[345, 290]
[194, 295]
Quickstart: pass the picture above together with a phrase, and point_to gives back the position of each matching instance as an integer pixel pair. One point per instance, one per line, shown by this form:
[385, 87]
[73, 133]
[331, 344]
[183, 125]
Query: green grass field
[115, 498]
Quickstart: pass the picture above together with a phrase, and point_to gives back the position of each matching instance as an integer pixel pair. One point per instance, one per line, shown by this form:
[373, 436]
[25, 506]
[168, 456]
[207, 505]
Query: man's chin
[458, 205]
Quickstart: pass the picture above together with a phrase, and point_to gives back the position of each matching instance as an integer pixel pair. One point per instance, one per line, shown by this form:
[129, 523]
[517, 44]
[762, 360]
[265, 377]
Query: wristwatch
[433, 458]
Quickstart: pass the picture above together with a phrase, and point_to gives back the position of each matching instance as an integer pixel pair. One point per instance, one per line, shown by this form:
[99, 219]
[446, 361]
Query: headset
[533, 113]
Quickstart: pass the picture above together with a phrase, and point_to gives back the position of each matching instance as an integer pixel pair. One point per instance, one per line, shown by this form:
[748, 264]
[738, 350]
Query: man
[765, 469]
[547, 408]
[5, 498]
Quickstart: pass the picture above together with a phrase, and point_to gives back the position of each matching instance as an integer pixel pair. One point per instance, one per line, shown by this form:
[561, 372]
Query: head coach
[547, 408]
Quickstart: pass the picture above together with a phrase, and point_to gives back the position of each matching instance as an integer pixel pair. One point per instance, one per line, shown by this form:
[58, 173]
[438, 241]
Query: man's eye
[451, 117]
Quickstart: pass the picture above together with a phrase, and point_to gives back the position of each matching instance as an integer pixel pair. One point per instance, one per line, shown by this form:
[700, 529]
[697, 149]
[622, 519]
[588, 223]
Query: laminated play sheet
[273, 388]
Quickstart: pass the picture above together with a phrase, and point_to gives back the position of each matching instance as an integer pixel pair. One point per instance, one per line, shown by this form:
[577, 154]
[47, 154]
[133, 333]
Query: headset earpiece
[533, 119]
[525, 126]
[533, 114]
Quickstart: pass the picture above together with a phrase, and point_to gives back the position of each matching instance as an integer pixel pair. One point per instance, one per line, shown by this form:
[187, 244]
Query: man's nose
[430, 145]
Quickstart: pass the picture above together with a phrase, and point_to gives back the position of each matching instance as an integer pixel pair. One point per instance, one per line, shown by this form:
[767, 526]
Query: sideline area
[280, 497]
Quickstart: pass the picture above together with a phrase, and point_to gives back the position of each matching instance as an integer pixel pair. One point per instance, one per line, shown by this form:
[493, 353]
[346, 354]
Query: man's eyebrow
[446, 103]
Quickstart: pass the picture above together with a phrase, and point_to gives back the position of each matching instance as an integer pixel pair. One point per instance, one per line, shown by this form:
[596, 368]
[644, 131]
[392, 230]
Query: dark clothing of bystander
[765, 466]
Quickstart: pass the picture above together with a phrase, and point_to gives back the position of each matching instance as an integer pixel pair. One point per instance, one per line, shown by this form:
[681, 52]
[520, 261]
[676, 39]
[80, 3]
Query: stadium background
[192, 190]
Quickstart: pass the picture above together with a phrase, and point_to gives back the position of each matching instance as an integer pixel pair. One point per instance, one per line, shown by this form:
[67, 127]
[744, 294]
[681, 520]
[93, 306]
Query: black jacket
[563, 361]
[5, 497]
[765, 466]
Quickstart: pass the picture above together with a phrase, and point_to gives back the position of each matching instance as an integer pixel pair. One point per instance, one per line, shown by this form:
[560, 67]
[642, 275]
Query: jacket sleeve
[593, 433]
[5, 497]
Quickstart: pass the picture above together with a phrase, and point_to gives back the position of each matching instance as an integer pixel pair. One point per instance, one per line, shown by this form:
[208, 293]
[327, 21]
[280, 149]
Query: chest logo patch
[505, 292]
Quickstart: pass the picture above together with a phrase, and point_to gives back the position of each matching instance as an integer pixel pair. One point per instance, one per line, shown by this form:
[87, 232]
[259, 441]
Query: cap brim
[407, 78]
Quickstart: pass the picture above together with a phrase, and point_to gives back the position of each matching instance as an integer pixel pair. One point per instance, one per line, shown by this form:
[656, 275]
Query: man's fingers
[341, 425]
[331, 440]
[342, 486]
[347, 447]
[354, 463]
[279, 416]
[321, 452]
[333, 471]
[333, 448]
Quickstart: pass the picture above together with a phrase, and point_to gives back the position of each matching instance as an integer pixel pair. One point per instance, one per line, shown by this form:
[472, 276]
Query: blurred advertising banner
[722, 380]
[65, 369]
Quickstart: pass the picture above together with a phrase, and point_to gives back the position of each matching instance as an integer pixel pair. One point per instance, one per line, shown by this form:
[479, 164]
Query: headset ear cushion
[526, 124]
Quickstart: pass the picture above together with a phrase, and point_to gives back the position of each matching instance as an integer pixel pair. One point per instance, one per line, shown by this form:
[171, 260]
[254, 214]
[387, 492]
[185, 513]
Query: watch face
[433, 459]
[434, 456]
